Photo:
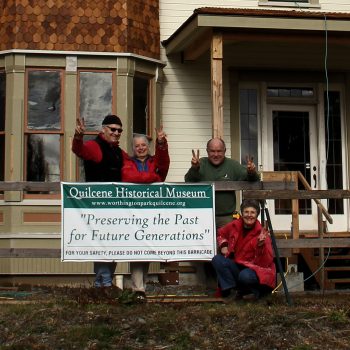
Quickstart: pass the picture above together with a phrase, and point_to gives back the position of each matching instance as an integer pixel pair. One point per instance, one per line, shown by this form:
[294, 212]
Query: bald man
[217, 167]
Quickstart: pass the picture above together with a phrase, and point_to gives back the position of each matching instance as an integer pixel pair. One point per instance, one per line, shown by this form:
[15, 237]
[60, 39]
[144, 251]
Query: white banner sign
[129, 222]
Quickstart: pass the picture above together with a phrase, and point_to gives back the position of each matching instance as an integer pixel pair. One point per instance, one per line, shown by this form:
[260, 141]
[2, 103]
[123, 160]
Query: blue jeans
[104, 272]
[233, 276]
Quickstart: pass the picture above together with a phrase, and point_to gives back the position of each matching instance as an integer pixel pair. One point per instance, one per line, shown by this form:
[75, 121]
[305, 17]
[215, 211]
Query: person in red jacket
[103, 160]
[246, 263]
[144, 168]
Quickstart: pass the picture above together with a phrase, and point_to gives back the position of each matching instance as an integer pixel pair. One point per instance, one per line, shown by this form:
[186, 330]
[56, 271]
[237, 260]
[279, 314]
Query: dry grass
[87, 319]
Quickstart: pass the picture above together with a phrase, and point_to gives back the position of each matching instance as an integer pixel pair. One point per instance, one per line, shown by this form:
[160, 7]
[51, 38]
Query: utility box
[294, 279]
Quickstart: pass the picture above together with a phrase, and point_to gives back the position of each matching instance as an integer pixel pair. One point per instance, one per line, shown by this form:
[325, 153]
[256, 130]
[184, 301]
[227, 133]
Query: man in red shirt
[103, 160]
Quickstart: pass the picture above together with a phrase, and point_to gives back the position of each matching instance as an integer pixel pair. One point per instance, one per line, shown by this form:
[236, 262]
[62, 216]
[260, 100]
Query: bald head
[216, 149]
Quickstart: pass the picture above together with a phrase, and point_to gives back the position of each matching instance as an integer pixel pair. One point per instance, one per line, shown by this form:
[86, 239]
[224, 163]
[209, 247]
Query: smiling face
[249, 216]
[141, 148]
[112, 133]
[216, 151]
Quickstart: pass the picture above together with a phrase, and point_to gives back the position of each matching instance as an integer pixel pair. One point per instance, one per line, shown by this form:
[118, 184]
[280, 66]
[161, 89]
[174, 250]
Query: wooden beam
[199, 46]
[292, 38]
[30, 186]
[256, 185]
[30, 253]
[216, 85]
[314, 243]
[296, 194]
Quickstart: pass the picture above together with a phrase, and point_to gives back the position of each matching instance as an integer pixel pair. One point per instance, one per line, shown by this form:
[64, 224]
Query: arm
[193, 174]
[264, 253]
[162, 159]
[89, 150]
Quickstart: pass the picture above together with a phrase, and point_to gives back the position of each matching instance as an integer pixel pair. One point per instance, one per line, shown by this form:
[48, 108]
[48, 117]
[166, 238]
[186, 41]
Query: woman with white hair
[144, 168]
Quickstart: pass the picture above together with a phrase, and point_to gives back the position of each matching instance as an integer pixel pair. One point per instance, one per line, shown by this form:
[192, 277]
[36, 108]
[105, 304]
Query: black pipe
[277, 255]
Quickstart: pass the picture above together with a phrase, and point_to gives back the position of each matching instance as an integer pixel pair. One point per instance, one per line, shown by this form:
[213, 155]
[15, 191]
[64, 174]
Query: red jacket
[247, 252]
[90, 150]
[156, 167]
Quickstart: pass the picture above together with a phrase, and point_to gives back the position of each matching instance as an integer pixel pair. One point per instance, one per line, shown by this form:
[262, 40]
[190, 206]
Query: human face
[141, 148]
[112, 132]
[216, 152]
[249, 216]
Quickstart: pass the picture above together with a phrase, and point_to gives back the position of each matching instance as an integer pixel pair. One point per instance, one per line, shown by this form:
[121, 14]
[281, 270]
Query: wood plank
[337, 268]
[183, 299]
[30, 186]
[296, 194]
[314, 243]
[253, 186]
[217, 85]
[30, 253]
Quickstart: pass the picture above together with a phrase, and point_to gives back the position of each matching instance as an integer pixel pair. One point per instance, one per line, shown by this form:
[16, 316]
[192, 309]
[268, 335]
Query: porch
[322, 251]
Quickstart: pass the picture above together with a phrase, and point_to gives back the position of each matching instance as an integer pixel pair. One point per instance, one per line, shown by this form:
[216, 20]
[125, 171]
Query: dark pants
[233, 276]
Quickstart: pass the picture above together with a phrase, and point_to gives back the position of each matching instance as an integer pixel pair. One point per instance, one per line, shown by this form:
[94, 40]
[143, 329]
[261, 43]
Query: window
[95, 97]
[141, 106]
[249, 124]
[334, 149]
[43, 125]
[95, 102]
[2, 123]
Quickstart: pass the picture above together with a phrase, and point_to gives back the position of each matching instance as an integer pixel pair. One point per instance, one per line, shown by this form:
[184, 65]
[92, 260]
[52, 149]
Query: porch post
[216, 56]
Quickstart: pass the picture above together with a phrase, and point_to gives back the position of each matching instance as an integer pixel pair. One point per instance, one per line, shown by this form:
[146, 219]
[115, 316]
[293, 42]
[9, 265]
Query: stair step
[337, 268]
[339, 280]
[338, 257]
[334, 257]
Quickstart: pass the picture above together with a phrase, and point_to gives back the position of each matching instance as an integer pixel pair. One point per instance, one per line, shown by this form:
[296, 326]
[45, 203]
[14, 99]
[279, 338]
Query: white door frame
[283, 222]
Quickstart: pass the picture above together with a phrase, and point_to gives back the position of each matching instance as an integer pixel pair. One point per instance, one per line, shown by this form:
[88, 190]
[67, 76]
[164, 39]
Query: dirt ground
[173, 318]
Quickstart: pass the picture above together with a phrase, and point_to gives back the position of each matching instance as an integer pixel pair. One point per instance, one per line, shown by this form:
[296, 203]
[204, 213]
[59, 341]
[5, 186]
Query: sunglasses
[120, 130]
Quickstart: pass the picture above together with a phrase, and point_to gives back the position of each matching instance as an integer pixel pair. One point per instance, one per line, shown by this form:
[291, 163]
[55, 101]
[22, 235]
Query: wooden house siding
[186, 100]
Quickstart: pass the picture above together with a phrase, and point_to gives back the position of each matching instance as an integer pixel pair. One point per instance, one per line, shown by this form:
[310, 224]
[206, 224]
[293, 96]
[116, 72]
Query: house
[270, 77]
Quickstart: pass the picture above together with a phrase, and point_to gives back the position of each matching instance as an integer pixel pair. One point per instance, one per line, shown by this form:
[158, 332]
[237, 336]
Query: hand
[250, 165]
[161, 135]
[80, 128]
[262, 237]
[195, 159]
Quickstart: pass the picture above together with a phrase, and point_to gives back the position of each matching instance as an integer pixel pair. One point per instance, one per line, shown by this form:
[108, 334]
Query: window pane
[334, 149]
[140, 106]
[2, 100]
[44, 100]
[95, 98]
[248, 122]
[43, 157]
[2, 157]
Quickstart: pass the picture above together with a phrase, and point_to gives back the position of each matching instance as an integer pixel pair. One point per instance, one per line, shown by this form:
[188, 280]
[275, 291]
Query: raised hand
[161, 135]
[250, 164]
[262, 237]
[195, 159]
[80, 128]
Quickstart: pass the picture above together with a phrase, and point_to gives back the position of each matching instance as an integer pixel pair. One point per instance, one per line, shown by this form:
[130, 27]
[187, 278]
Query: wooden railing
[275, 185]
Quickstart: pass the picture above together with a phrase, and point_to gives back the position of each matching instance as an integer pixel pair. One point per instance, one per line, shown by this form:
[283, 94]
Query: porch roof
[258, 26]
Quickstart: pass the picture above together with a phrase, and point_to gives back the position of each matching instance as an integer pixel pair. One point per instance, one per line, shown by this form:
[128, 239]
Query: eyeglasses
[120, 130]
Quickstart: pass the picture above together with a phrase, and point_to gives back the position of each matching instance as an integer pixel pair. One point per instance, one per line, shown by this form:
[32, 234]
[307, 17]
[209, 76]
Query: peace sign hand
[250, 165]
[195, 159]
[161, 135]
[262, 236]
[80, 128]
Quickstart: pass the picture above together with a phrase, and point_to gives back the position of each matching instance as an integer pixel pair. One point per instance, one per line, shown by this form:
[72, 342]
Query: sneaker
[140, 297]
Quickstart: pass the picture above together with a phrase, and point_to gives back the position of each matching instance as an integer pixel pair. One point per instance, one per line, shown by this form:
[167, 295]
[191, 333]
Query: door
[297, 140]
[292, 146]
